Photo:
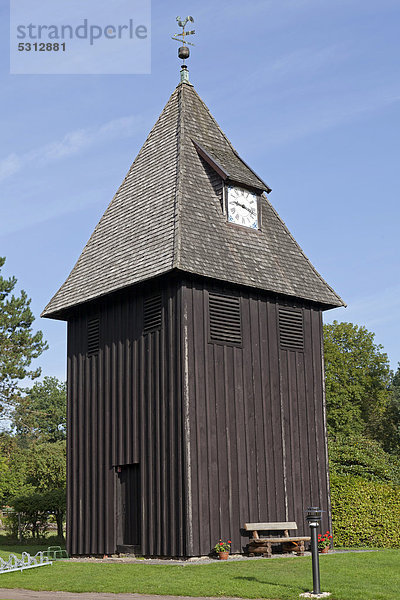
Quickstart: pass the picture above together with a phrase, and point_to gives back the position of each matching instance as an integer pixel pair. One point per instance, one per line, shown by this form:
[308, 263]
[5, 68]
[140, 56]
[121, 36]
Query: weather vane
[184, 51]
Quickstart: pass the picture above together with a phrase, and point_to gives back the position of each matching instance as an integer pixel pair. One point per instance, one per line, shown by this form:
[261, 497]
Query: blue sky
[308, 91]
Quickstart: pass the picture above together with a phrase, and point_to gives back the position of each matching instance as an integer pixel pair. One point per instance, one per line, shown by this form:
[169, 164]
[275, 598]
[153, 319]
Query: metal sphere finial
[183, 52]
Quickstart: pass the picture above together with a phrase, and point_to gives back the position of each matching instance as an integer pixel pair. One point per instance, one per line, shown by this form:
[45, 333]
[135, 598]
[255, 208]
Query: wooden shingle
[168, 214]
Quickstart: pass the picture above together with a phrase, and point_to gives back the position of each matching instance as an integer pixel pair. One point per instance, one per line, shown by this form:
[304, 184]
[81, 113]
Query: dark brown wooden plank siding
[257, 446]
[124, 407]
[222, 433]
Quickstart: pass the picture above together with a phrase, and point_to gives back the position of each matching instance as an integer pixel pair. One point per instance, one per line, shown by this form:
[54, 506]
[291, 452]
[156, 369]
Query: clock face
[242, 207]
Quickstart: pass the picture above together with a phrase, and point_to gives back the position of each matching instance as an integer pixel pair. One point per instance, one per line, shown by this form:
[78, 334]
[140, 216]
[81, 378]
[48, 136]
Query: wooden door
[129, 513]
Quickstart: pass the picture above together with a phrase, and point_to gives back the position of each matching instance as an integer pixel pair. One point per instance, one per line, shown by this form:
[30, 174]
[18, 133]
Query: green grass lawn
[17, 549]
[358, 576]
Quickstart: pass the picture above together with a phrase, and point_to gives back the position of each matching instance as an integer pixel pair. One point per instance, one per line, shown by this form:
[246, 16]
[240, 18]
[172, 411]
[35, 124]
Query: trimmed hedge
[365, 513]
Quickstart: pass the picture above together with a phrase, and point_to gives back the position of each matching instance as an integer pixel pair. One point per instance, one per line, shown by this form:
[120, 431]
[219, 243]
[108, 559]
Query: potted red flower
[223, 549]
[324, 541]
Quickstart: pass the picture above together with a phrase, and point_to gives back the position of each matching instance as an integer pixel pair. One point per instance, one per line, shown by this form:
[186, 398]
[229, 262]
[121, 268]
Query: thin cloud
[9, 166]
[322, 116]
[369, 308]
[328, 117]
[71, 144]
[303, 61]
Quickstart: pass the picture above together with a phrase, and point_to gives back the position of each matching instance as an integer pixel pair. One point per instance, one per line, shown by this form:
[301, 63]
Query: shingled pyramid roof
[167, 214]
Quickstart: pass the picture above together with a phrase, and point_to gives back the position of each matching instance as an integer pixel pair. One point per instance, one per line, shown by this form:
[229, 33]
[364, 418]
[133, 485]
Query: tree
[363, 410]
[13, 468]
[34, 508]
[41, 414]
[33, 481]
[46, 466]
[391, 425]
[362, 457]
[46, 471]
[358, 378]
[19, 345]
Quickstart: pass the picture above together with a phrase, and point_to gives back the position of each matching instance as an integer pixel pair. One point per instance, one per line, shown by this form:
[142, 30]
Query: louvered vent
[152, 314]
[225, 324]
[291, 331]
[93, 336]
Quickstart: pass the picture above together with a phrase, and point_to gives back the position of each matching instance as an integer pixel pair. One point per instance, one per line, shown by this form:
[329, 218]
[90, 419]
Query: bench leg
[301, 550]
[269, 551]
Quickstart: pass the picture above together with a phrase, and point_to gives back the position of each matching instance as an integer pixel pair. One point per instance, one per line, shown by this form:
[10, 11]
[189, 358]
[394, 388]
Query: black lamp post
[314, 521]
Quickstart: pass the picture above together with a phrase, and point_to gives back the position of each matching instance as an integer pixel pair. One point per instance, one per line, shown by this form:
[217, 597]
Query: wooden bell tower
[195, 354]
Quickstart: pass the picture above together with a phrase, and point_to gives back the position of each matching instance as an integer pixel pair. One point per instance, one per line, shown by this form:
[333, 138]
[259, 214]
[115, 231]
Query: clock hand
[241, 205]
[250, 210]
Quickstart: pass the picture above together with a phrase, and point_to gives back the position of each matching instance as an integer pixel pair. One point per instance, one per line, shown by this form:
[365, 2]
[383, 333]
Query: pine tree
[19, 345]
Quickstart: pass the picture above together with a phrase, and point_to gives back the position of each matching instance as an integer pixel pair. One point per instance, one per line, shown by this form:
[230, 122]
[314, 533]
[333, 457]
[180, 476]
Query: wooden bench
[263, 545]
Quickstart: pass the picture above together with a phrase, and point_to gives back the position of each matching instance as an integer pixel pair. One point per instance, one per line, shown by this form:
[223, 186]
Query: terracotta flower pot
[223, 555]
[324, 550]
